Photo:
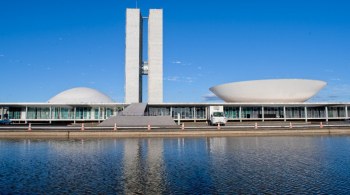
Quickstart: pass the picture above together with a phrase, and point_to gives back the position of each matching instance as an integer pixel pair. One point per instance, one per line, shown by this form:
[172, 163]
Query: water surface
[247, 165]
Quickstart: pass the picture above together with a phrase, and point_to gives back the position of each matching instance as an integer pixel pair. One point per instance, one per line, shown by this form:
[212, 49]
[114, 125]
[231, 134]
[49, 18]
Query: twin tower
[135, 65]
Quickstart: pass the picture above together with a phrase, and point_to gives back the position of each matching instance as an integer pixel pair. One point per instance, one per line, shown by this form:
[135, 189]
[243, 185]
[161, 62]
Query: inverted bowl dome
[272, 91]
[80, 95]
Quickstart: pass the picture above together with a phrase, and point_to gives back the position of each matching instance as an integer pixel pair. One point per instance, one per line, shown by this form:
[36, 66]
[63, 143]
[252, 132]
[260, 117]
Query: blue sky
[50, 46]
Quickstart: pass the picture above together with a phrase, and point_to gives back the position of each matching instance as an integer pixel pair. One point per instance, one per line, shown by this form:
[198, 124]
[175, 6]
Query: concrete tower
[135, 66]
[133, 56]
[155, 56]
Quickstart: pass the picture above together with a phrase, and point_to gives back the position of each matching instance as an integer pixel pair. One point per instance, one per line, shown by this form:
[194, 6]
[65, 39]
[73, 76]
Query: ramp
[134, 109]
[133, 116]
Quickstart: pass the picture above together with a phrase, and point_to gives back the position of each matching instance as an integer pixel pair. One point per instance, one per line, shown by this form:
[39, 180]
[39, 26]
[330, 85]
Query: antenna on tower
[136, 3]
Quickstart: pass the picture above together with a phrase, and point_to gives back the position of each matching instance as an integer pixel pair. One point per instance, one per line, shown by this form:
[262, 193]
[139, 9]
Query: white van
[216, 115]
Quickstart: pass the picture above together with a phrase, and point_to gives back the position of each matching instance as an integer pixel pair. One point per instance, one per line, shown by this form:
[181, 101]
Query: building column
[284, 114]
[104, 112]
[115, 111]
[346, 112]
[50, 115]
[326, 109]
[240, 114]
[171, 112]
[305, 110]
[262, 114]
[75, 112]
[99, 113]
[26, 117]
[194, 113]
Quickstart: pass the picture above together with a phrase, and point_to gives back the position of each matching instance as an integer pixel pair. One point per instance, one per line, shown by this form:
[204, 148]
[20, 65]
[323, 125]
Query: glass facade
[316, 112]
[83, 113]
[185, 112]
[201, 112]
[336, 112]
[109, 112]
[62, 113]
[14, 113]
[57, 113]
[231, 112]
[251, 112]
[105, 113]
[273, 112]
[295, 112]
[38, 113]
[158, 111]
[189, 112]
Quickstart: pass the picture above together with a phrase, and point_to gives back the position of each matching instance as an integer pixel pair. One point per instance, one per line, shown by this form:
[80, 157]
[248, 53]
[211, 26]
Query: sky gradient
[50, 46]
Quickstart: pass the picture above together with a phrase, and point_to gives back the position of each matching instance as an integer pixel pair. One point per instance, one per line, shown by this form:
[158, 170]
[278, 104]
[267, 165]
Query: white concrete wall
[155, 56]
[133, 56]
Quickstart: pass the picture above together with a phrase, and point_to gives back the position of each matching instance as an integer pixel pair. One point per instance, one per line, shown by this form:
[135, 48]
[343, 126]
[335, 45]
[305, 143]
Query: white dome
[272, 91]
[80, 95]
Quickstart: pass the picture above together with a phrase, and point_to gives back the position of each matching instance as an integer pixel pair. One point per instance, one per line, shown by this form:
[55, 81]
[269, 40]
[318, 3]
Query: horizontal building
[97, 112]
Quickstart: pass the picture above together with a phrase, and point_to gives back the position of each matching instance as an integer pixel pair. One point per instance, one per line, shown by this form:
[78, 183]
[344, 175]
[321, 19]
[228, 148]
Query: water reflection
[143, 166]
[212, 165]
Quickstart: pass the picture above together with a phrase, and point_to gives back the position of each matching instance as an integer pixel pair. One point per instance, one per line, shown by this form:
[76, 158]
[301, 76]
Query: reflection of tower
[135, 67]
[155, 164]
[143, 166]
[132, 167]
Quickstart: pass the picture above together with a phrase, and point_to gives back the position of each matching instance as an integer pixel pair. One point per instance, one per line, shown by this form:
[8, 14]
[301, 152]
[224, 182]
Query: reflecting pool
[222, 165]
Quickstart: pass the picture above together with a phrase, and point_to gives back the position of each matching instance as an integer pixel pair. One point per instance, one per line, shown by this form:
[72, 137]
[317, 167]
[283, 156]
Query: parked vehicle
[5, 122]
[216, 115]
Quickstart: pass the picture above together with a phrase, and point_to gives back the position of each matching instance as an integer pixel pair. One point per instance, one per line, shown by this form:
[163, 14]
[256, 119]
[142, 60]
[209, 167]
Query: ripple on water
[247, 165]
